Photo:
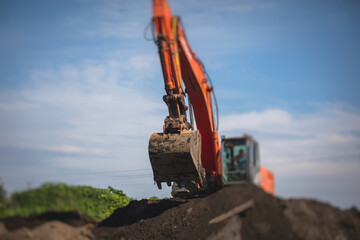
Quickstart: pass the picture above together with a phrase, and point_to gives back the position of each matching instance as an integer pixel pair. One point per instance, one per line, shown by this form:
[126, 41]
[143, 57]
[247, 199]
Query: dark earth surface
[269, 218]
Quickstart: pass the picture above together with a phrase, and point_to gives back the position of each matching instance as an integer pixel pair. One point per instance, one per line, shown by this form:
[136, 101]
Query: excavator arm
[181, 154]
[200, 93]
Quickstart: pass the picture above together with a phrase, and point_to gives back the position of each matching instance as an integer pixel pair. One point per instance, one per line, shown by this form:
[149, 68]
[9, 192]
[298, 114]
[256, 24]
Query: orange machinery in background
[191, 159]
[267, 181]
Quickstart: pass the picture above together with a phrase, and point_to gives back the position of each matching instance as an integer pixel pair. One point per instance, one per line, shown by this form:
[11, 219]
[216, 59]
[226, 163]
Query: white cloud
[122, 20]
[100, 115]
[266, 121]
[321, 146]
[100, 109]
[326, 122]
[74, 119]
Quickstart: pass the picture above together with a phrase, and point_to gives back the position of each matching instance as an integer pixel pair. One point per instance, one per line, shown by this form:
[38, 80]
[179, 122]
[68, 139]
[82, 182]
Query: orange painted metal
[180, 64]
[163, 22]
[267, 182]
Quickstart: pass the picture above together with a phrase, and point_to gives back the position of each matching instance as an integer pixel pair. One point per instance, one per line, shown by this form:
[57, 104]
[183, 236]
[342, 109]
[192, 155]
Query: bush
[154, 198]
[97, 203]
[2, 193]
[2, 198]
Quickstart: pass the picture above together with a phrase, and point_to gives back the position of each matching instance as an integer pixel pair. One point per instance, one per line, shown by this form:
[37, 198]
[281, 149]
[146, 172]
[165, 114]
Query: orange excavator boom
[181, 155]
[181, 65]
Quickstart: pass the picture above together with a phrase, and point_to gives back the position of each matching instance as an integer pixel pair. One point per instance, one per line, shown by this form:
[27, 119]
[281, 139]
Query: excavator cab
[240, 160]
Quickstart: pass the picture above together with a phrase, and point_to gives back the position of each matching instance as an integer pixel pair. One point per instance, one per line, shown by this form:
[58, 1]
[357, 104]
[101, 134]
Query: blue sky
[81, 90]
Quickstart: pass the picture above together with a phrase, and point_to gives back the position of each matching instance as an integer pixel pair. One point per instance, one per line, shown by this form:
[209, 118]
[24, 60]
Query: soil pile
[50, 225]
[138, 210]
[314, 220]
[269, 218]
[190, 220]
[72, 218]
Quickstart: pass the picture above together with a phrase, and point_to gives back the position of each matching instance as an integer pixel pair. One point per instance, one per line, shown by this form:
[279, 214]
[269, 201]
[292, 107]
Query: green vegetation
[2, 198]
[97, 203]
[156, 198]
[2, 193]
[153, 198]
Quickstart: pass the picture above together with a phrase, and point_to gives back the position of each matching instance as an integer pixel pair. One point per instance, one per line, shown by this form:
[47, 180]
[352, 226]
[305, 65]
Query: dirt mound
[137, 210]
[190, 220]
[72, 218]
[49, 225]
[55, 230]
[268, 218]
[314, 220]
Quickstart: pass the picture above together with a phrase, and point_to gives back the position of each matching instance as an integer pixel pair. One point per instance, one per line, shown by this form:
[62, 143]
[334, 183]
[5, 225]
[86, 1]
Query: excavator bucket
[176, 157]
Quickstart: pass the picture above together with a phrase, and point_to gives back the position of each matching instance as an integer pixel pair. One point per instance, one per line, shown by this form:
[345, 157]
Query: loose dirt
[269, 218]
[50, 225]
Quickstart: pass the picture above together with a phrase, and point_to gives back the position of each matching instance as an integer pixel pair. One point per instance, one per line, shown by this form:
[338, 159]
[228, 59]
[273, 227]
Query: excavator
[193, 160]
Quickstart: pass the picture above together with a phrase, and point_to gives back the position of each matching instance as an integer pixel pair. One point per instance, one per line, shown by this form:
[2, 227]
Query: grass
[97, 203]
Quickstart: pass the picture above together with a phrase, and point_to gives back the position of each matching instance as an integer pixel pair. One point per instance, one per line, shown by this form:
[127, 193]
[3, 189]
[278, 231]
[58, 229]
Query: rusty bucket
[176, 157]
